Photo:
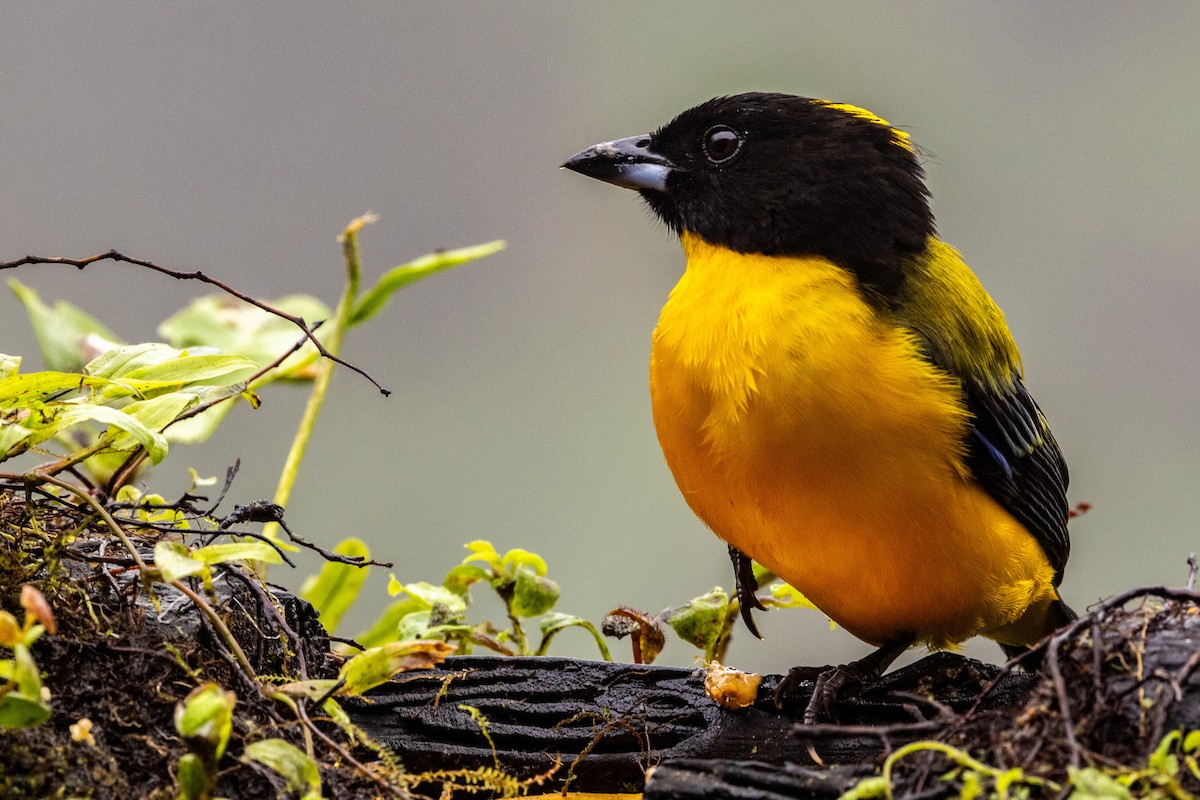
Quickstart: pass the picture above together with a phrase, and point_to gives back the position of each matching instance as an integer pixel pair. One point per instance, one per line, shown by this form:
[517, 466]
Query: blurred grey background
[239, 138]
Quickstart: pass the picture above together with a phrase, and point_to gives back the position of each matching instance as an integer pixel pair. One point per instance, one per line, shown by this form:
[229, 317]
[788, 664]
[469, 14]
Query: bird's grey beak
[626, 162]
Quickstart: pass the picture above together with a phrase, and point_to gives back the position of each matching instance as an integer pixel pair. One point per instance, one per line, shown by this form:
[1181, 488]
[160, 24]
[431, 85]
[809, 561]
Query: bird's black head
[781, 175]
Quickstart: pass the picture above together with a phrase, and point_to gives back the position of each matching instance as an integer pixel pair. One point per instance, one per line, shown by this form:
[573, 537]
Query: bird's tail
[1039, 621]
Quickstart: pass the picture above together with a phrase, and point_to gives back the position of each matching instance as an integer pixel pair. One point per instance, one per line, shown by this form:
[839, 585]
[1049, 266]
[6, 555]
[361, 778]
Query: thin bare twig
[1064, 705]
[1068, 632]
[227, 635]
[267, 540]
[346, 640]
[345, 754]
[126, 470]
[266, 511]
[37, 475]
[266, 601]
[329, 555]
[200, 409]
[197, 275]
[319, 702]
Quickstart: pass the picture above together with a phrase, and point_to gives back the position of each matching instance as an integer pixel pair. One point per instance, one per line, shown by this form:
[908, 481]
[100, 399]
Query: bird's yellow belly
[813, 437]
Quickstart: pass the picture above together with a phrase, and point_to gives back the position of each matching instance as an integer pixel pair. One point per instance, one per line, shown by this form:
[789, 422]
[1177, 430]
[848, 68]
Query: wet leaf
[249, 550]
[205, 719]
[19, 711]
[482, 550]
[517, 558]
[701, 621]
[372, 667]
[175, 561]
[554, 623]
[289, 762]
[387, 627]
[460, 578]
[533, 595]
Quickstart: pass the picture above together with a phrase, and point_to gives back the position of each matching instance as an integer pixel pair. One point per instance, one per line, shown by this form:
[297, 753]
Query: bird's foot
[745, 586]
[827, 682]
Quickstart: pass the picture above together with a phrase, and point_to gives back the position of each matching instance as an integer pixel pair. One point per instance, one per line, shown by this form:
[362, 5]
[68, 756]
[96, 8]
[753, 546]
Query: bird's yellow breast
[807, 430]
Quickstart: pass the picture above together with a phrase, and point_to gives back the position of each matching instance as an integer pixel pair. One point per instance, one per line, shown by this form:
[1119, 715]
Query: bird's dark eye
[721, 143]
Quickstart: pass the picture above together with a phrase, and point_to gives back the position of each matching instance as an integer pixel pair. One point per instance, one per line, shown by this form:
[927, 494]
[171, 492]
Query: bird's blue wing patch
[1017, 461]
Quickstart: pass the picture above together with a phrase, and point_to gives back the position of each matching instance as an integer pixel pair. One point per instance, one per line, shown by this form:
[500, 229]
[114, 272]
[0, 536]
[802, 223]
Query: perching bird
[836, 394]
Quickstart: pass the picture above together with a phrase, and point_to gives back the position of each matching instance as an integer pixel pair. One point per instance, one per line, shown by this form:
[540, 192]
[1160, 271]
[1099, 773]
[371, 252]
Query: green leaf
[972, 784]
[1092, 784]
[430, 595]
[146, 370]
[761, 573]
[460, 578]
[1191, 742]
[37, 421]
[232, 326]
[175, 561]
[153, 441]
[158, 412]
[205, 719]
[120, 361]
[248, 550]
[201, 427]
[338, 714]
[413, 626]
[517, 558]
[554, 623]
[372, 667]
[190, 369]
[22, 390]
[418, 625]
[154, 414]
[9, 365]
[19, 711]
[289, 762]
[786, 596]
[60, 331]
[371, 301]
[1163, 759]
[533, 595]
[198, 481]
[312, 689]
[14, 439]
[29, 680]
[482, 550]
[387, 627]
[701, 621]
[335, 588]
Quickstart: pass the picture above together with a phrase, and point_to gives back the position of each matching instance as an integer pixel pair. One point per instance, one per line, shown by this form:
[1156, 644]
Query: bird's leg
[830, 680]
[746, 586]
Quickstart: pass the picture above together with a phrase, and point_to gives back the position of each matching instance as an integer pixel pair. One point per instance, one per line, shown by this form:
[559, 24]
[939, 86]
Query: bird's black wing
[1017, 461]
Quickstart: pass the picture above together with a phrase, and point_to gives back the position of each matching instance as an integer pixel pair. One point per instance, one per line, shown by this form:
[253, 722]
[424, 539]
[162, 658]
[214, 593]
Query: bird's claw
[825, 694]
[828, 682]
[790, 685]
[745, 587]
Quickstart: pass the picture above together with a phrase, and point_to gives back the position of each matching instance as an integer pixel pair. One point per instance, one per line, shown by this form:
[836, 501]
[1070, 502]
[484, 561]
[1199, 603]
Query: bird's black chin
[665, 208]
